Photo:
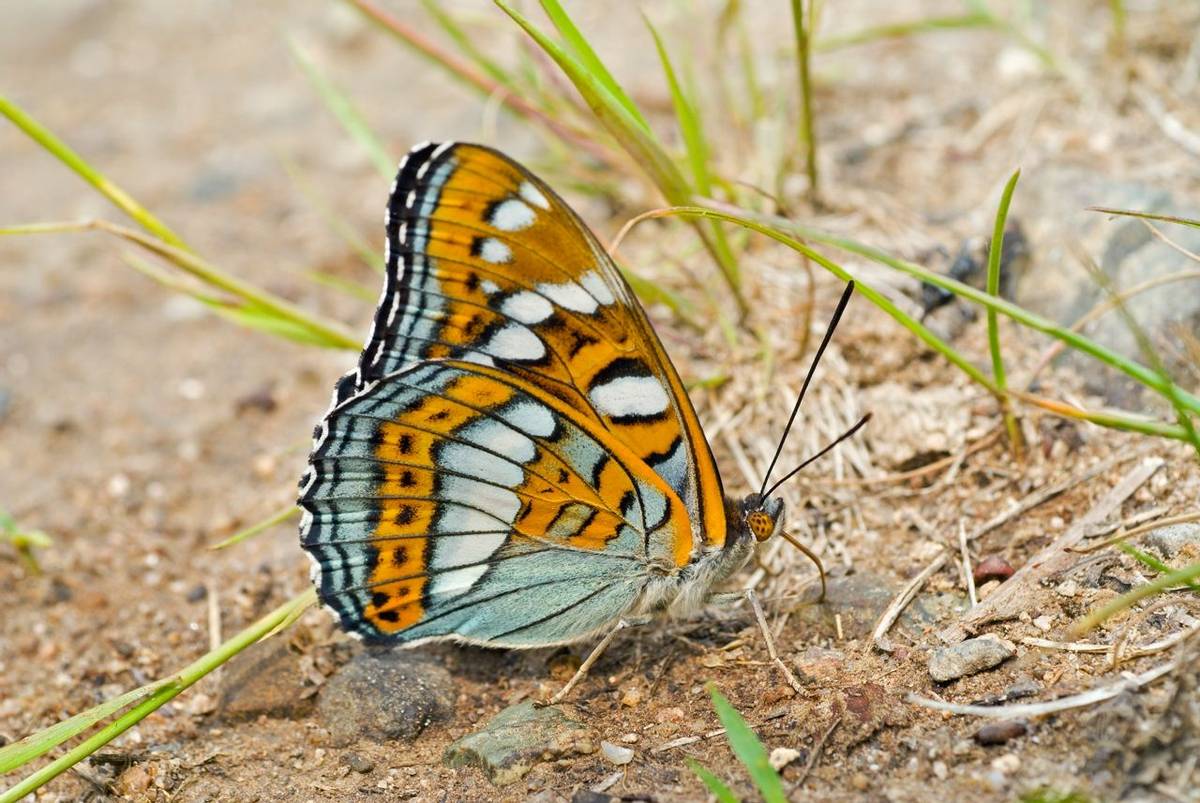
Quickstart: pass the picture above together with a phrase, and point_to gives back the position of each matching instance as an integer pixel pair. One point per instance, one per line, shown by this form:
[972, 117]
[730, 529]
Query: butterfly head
[761, 516]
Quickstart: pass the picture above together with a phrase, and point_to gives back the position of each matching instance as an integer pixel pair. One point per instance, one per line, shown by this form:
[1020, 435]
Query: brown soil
[136, 429]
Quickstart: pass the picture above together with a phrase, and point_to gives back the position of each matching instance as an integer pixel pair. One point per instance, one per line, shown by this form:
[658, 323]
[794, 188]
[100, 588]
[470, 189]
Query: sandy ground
[136, 429]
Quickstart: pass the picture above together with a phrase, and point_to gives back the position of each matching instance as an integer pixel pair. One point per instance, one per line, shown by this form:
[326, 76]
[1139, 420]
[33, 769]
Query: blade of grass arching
[801, 24]
[467, 74]
[774, 227]
[1151, 561]
[339, 105]
[59, 149]
[638, 142]
[466, 45]
[1184, 576]
[749, 750]
[20, 753]
[578, 46]
[1182, 221]
[995, 251]
[715, 785]
[901, 30]
[160, 693]
[257, 302]
[338, 224]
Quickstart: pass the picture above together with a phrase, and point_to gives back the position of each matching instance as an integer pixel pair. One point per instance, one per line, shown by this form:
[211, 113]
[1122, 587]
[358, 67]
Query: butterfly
[514, 462]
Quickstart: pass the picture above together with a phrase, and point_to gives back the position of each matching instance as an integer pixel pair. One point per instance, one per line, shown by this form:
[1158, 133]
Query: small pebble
[1044, 622]
[1172, 538]
[1000, 732]
[782, 756]
[1007, 763]
[358, 763]
[630, 738]
[992, 567]
[632, 697]
[615, 753]
[969, 657]
[940, 770]
[1068, 588]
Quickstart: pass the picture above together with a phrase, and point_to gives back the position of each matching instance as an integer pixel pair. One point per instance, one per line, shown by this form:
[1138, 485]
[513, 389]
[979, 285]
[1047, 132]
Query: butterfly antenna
[833, 323]
[847, 434]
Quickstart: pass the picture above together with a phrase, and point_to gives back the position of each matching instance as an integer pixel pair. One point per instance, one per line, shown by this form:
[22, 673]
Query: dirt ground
[137, 430]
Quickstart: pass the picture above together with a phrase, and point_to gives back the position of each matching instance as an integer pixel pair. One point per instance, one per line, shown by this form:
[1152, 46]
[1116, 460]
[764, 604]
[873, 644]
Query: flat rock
[1167, 541]
[265, 680]
[522, 735]
[969, 657]
[860, 599]
[385, 696]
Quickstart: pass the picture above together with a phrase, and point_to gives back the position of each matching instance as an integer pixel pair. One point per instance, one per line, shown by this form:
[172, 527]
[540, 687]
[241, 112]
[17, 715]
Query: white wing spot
[494, 251]
[456, 581]
[531, 418]
[531, 194]
[489, 287]
[527, 307]
[569, 295]
[512, 215]
[594, 283]
[515, 342]
[630, 395]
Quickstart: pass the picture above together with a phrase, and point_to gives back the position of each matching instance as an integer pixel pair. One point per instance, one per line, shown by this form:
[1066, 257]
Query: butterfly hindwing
[451, 499]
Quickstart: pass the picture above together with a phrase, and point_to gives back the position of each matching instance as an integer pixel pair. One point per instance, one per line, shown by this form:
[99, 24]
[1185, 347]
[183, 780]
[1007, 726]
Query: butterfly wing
[453, 499]
[487, 263]
[515, 459]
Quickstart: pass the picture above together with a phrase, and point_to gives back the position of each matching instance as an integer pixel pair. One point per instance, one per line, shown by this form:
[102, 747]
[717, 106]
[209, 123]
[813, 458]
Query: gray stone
[859, 598]
[968, 657]
[1056, 285]
[265, 680]
[519, 737]
[383, 696]
[1170, 539]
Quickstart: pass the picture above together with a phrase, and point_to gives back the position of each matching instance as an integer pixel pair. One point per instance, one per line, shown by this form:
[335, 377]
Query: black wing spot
[405, 443]
[628, 500]
[405, 515]
[563, 476]
[379, 599]
[389, 616]
[407, 480]
[400, 557]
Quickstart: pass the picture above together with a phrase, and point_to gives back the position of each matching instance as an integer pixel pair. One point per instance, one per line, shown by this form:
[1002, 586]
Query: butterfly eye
[761, 524]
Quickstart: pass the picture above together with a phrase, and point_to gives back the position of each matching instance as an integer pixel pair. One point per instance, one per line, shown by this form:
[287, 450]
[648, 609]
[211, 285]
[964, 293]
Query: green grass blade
[157, 695]
[715, 785]
[775, 226]
[20, 753]
[995, 252]
[578, 46]
[749, 750]
[1184, 576]
[901, 30]
[119, 198]
[1150, 561]
[466, 45]
[694, 141]
[279, 517]
[802, 24]
[1182, 221]
[338, 103]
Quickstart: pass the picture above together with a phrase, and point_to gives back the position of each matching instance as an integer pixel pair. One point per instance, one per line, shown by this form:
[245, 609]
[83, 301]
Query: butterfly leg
[593, 656]
[766, 631]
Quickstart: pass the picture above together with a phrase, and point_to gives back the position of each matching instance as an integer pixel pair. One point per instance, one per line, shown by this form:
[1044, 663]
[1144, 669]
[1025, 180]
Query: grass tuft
[995, 252]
